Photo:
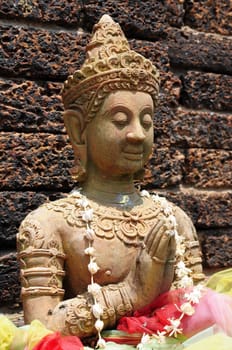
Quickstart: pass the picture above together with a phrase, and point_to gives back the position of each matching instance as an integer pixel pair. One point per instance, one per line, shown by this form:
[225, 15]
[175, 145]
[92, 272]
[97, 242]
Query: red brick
[200, 51]
[209, 16]
[207, 168]
[207, 91]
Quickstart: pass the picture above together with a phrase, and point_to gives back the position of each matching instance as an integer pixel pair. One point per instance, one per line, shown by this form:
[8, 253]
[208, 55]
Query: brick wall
[189, 41]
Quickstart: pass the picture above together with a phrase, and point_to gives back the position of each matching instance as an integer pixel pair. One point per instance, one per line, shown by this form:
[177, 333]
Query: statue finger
[161, 252]
[153, 237]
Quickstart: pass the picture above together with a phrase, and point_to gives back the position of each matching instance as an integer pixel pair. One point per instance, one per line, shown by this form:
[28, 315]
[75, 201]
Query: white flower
[99, 324]
[179, 239]
[144, 340]
[180, 249]
[76, 192]
[97, 310]
[182, 270]
[185, 282]
[89, 251]
[163, 202]
[170, 233]
[160, 336]
[89, 234]
[87, 215]
[156, 198]
[94, 288]
[195, 295]
[83, 202]
[93, 267]
[187, 309]
[167, 210]
[101, 343]
[172, 221]
[173, 329]
[144, 193]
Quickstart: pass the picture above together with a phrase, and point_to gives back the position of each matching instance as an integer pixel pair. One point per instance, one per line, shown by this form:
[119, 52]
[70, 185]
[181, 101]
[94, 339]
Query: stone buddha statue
[106, 249]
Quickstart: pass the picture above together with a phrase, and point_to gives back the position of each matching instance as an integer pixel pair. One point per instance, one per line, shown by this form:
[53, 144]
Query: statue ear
[74, 123]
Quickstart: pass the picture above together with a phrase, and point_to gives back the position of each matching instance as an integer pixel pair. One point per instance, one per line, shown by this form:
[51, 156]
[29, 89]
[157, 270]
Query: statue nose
[136, 134]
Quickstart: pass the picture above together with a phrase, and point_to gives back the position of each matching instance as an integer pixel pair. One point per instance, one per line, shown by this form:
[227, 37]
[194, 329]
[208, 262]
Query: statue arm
[151, 274]
[41, 261]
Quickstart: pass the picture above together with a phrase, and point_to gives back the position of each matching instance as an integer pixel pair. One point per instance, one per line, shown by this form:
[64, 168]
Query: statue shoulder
[41, 228]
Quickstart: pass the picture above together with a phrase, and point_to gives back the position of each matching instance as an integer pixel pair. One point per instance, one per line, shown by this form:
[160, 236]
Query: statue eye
[120, 119]
[147, 120]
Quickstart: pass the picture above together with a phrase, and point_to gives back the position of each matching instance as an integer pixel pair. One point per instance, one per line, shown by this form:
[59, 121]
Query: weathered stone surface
[56, 11]
[191, 129]
[14, 206]
[41, 54]
[165, 168]
[205, 168]
[216, 247]
[207, 209]
[209, 16]
[200, 51]
[207, 90]
[30, 106]
[138, 18]
[35, 161]
[36, 106]
[9, 279]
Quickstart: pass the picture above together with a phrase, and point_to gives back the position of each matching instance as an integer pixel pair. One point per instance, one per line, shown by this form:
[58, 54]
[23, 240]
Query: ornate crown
[110, 65]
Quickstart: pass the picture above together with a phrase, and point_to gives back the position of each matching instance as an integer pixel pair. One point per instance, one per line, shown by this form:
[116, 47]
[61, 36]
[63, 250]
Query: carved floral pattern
[129, 226]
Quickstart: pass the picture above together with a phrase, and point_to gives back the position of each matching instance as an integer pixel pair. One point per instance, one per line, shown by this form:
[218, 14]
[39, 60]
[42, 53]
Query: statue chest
[117, 237]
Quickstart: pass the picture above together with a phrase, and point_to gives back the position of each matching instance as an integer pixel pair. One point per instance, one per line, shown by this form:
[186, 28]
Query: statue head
[110, 66]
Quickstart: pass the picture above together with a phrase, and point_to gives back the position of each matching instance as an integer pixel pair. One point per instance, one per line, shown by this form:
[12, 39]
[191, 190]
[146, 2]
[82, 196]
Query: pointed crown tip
[106, 18]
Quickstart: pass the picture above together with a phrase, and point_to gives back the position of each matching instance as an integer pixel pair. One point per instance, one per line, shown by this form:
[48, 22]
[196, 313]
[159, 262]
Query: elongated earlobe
[74, 123]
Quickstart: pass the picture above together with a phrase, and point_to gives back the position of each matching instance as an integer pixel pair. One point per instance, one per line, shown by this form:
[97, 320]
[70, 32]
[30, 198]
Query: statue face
[119, 139]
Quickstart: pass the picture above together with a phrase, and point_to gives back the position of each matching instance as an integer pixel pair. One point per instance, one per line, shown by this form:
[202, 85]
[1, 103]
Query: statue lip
[133, 155]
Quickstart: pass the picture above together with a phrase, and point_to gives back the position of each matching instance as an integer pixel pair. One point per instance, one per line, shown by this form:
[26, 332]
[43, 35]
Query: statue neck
[119, 192]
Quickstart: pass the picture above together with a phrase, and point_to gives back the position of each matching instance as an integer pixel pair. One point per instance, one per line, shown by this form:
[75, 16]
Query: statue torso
[118, 235]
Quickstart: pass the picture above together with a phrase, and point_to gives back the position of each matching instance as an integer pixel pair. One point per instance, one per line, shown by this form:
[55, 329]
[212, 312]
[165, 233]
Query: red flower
[55, 341]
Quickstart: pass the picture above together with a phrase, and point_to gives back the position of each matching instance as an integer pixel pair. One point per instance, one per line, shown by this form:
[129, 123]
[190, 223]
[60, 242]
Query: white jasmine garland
[173, 328]
[87, 215]
[182, 272]
[89, 234]
[195, 295]
[161, 337]
[144, 193]
[97, 310]
[187, 309]
[83, 202]
[90, 251]
[93, 267]
[101, 343]
[99, 324]
[185, 282]
[94, 288]
[144, 340]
